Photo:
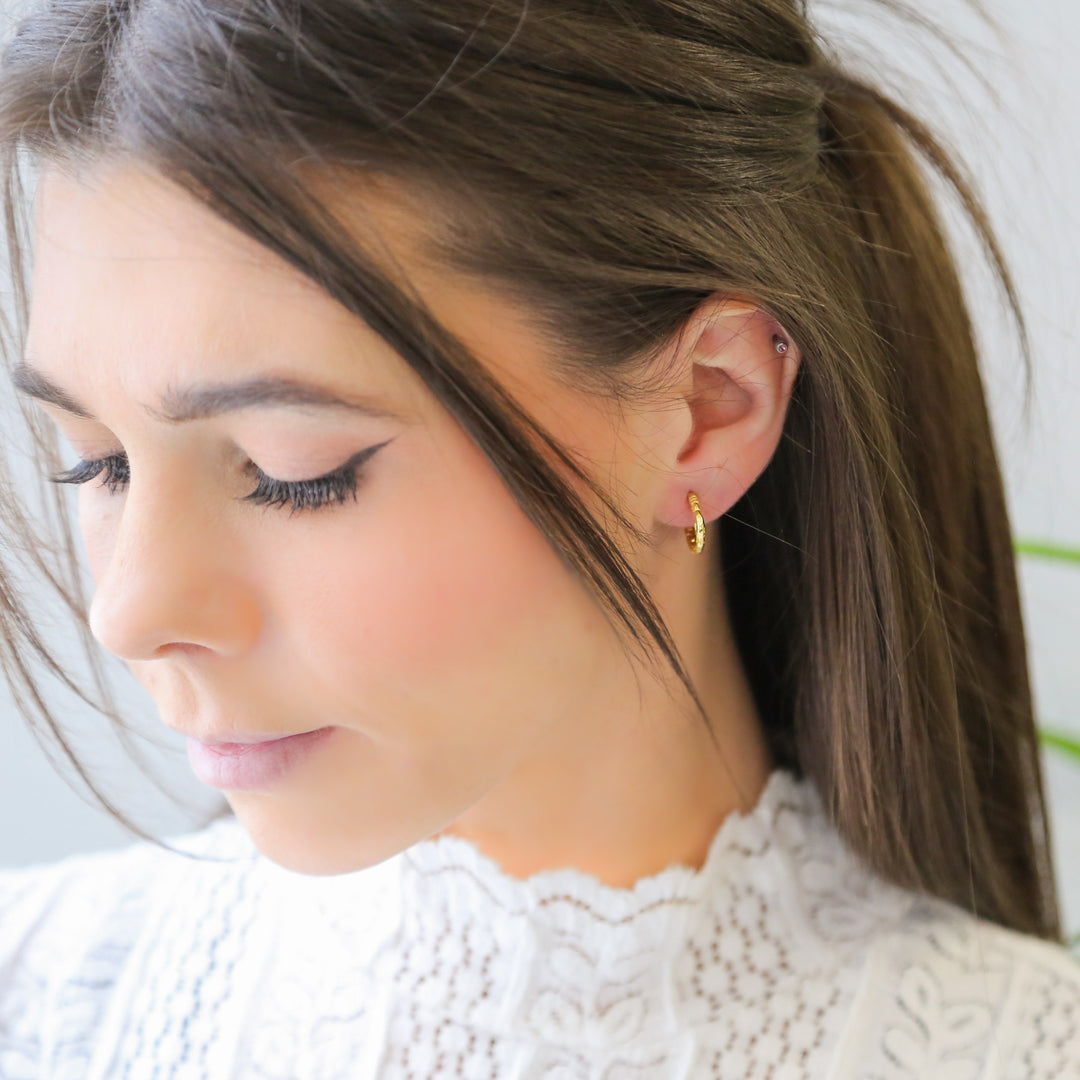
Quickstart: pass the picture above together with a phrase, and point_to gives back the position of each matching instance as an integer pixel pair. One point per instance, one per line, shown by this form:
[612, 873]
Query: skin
[475, 686]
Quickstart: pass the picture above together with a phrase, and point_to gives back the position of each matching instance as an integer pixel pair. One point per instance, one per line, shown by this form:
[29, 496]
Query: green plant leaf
[1047, 550]
[1058, 740]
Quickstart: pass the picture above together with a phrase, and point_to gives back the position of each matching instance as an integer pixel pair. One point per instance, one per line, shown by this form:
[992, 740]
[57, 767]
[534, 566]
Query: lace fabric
[783, 957]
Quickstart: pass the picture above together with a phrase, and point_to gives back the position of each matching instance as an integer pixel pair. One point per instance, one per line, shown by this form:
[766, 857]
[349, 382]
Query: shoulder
[67, 930]
[948, 994]
[1047, 1014]
[933, 990]
[52, 901]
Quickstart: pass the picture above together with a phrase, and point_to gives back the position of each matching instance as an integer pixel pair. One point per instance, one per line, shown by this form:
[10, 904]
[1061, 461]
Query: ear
[733, 387]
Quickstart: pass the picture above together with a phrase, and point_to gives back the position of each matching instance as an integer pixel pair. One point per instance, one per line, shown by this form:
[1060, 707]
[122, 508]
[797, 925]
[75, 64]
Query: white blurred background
[1024, 153]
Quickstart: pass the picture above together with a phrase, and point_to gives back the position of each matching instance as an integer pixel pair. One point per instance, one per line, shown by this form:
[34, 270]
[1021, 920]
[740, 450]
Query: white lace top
[782, 958]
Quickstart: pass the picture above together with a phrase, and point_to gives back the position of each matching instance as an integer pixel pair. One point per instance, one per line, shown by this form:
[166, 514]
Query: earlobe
[741, 364]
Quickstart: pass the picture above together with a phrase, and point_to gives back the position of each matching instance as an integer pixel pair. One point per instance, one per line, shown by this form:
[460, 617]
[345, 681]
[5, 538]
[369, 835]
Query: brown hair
[612, 164]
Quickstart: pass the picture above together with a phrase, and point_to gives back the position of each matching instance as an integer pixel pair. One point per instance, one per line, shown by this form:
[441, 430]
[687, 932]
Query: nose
[172, 576]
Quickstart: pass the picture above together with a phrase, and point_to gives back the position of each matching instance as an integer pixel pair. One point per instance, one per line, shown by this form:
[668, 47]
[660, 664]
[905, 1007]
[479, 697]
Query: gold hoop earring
[695, 534]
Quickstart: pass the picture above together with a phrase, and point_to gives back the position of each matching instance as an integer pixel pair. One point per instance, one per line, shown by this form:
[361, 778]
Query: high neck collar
[562, 957]
[456, 872]
[778, 912]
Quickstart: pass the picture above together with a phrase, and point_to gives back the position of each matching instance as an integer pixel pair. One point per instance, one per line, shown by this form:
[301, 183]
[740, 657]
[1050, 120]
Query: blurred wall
[1025, 156]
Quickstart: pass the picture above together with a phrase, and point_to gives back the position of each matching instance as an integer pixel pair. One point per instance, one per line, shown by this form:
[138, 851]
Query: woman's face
[427, 620]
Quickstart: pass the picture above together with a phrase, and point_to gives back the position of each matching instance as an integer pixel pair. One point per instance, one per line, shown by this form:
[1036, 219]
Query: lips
[254, 766]
[245, 738]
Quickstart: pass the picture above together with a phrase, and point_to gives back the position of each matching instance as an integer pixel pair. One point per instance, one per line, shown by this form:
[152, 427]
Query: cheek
[97, 524]
[439, 607]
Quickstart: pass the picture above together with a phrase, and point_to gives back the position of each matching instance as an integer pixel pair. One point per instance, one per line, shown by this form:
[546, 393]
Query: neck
[629, 781]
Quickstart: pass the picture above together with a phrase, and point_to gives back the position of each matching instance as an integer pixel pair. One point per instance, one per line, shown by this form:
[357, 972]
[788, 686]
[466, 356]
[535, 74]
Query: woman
[537, 456]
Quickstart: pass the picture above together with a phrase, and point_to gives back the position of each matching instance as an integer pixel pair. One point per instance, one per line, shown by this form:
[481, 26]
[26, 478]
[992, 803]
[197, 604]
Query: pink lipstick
[250, 766]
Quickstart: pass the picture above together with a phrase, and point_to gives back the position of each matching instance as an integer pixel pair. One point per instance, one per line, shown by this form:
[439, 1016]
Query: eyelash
[332, 488]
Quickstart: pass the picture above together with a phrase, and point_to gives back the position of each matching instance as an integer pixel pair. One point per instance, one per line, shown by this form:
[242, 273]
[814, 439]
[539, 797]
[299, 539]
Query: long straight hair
[612, 164]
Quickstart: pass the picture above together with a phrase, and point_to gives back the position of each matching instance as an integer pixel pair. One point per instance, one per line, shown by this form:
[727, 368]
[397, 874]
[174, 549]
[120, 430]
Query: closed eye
[332, 488]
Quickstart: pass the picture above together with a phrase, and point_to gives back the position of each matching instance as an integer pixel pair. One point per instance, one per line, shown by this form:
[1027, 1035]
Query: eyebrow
[208, 399]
